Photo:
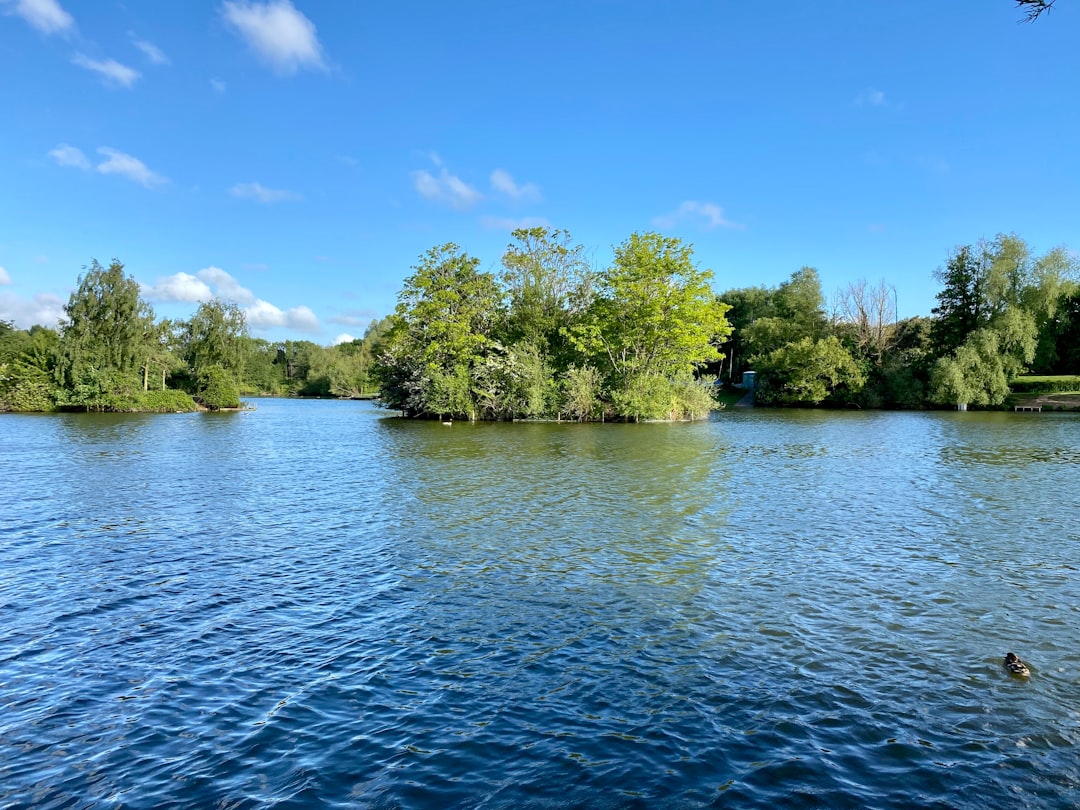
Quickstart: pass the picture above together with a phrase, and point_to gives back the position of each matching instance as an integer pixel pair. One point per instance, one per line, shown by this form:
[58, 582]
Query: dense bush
[218, 389]
[1045, 385]
[168, 401]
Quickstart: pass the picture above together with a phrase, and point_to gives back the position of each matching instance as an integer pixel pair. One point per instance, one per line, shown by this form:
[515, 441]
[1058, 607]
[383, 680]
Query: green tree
[548, 283]
[746, 306]
[807, 372]
[106, 326]
[442, 327]
[215, 336]
[654, 312]
[795, 310]
[961, 305]
[974, 374]
[218, 388]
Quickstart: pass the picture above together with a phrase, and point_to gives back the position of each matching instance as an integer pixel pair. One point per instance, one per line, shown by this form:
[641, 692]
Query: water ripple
[311, 605]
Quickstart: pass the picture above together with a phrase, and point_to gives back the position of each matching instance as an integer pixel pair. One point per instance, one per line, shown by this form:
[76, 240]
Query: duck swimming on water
[1015, 666]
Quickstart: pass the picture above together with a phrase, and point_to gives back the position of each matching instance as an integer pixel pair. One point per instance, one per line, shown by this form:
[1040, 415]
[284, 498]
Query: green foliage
[442, 328]
[961, 304]
[1045, 384]
[654, 314]
[107, 324]
[102, 389]
[807, 372]
[218, 389]
[974, 374]
[581, 389]
[548, 283]
[25, 388]
[215, 336]
[167, 401]
[644, 397]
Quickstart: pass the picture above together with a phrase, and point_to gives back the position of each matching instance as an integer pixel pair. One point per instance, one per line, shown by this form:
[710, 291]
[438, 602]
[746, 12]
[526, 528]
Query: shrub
[169, 401]
[218, 389]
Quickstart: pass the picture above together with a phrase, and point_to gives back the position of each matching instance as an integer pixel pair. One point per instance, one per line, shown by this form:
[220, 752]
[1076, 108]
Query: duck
[1015, 666]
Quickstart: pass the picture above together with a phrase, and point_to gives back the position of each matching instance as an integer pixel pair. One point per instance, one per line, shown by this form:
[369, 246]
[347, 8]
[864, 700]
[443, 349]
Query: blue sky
[299, 157]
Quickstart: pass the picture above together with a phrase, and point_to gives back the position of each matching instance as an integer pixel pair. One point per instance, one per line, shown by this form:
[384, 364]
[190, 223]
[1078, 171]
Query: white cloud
[4, 277]
[47, 16]
[502, 181]
[508, 224]
[130, 167]
[219, 86]
[871, 97]
[260, 193]
[43, 309]
[178, 287]
[447, 188]
[709, 215]
[264, 315]
[344, 337]
[225, 286]
[113, 73]
[213, 282]
[152, 52]
[277, 32]
[66, 155]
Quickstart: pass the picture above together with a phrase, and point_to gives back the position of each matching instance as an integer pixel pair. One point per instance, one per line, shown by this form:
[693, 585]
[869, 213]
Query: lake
[316, 604]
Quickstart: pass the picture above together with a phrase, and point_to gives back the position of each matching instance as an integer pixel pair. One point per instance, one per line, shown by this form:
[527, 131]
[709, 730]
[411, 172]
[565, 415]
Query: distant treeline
[112, 354]
[552, 336]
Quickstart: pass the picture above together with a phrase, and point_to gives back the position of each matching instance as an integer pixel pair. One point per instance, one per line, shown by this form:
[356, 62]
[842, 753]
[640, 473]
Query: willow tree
[107, 324]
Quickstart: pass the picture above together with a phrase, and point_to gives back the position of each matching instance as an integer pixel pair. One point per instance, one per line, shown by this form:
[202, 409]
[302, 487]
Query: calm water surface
[313, 604]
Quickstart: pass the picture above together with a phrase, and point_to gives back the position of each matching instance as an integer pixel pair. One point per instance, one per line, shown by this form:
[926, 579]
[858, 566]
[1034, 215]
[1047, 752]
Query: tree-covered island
[550, 336]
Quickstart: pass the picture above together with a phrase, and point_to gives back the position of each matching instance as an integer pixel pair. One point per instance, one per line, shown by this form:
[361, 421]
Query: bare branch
[1033, 9]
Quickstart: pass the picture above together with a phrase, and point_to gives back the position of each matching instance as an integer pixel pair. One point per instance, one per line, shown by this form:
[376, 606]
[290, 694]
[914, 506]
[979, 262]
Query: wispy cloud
[132, 168]
[112, 72]
[509, 224]
[446, 188]
[871, 97]
[707, 215]
[4, 277]
[115, 162]
[213, 282]
[219, 86]
[355, 317]
[260, 193]
[279, 34]
[44, 309]
[66, 155]
[47, 16]
[503, 182]
[151, 51]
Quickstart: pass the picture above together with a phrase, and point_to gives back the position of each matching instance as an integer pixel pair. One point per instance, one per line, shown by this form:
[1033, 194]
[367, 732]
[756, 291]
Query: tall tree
[548, 283]
[441, 329]
[106, 324]
[961, 303]
[655, 312]
[215, 336]
[870, 311]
